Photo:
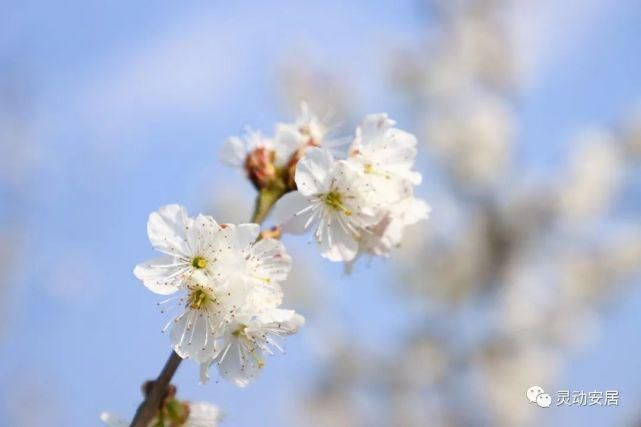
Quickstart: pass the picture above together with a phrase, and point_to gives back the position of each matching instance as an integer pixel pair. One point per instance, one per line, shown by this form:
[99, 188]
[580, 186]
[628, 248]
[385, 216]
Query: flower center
[198, 298]
[334, 200]
[239, 331]
[199, 262]
[368, 168]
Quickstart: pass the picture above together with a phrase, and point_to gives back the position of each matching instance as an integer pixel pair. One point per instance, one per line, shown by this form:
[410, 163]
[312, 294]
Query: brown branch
[155, 395]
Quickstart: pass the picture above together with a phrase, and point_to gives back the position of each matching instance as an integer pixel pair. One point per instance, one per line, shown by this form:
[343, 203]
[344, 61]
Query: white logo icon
[544, 400]
[533, 392]
[536, 394]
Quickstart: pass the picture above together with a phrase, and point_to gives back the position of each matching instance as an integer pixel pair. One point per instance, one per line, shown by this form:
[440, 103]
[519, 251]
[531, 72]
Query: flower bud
[260, 167]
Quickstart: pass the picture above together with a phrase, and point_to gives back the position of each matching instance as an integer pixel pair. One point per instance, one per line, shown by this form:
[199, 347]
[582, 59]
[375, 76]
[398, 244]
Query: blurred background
[529, 122]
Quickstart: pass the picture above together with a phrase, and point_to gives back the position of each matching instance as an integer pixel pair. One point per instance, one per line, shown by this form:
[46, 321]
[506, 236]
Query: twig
[155, 396]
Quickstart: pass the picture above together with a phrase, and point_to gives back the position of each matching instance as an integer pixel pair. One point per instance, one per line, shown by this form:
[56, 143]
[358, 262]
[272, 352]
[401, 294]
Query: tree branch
[155, 396]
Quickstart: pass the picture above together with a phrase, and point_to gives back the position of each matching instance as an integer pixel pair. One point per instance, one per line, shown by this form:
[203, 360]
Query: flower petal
[313, 171]
[292, 212]
[414, 210]
[233, 152]
[112, 420]
[202, 414]
[166, 229]
[192, 337]
[246, 234]
[162, 275]
[200, 234]
[287, 320]
[335, 242]
[375, 125]
[286, 142]
[270, 259]
[240, 365]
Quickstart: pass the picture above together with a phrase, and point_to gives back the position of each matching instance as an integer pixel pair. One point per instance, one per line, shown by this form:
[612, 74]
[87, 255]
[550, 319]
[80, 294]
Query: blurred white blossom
[199, 414]
[474, 139]
[594, 174]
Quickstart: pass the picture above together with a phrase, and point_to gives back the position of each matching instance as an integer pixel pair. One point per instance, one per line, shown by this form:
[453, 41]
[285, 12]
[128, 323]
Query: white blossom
[474, 138]
[220, 273]
[386, 155]
[595, 173]
[201, 414]
[248, 339]
[384, 152]
[189, 245]
[361, 204]
[331, 198]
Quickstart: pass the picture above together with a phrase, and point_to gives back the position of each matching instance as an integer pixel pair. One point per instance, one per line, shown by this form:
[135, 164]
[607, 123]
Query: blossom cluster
[356, 202]
[225, 279]
[227, 282]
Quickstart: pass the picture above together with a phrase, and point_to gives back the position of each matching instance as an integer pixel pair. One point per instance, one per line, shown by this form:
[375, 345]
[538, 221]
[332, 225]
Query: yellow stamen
[199, 262]
[334, 201]
[240, 331]
[199, 298]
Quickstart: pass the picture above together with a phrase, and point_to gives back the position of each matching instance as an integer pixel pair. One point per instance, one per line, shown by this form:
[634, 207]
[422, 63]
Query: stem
[154, 398]
[266, 198]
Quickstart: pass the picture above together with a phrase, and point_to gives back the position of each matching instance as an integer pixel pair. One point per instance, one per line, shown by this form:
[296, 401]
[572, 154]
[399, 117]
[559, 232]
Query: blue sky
[131, 104]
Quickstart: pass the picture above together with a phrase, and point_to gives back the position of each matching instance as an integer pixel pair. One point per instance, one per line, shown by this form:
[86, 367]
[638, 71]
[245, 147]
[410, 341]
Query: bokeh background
[529, 120]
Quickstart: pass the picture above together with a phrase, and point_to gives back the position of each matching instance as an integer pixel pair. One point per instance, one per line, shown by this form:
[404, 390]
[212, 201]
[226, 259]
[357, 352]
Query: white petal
[112, 420]
[203, 414]
[415, 210]
[200, 342]
[192, 338]
[288, 320]
[335, 242]
[374, 125]
[234, 152]
[286, 142]
[389, 151]
[239, 365]
[204, 372]
[246, 234]
[271, 259]
[166, 229]
[200, 234]
[220, 241]
[292, 212]
[262, 297]
[312, 171]
[162, 275]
